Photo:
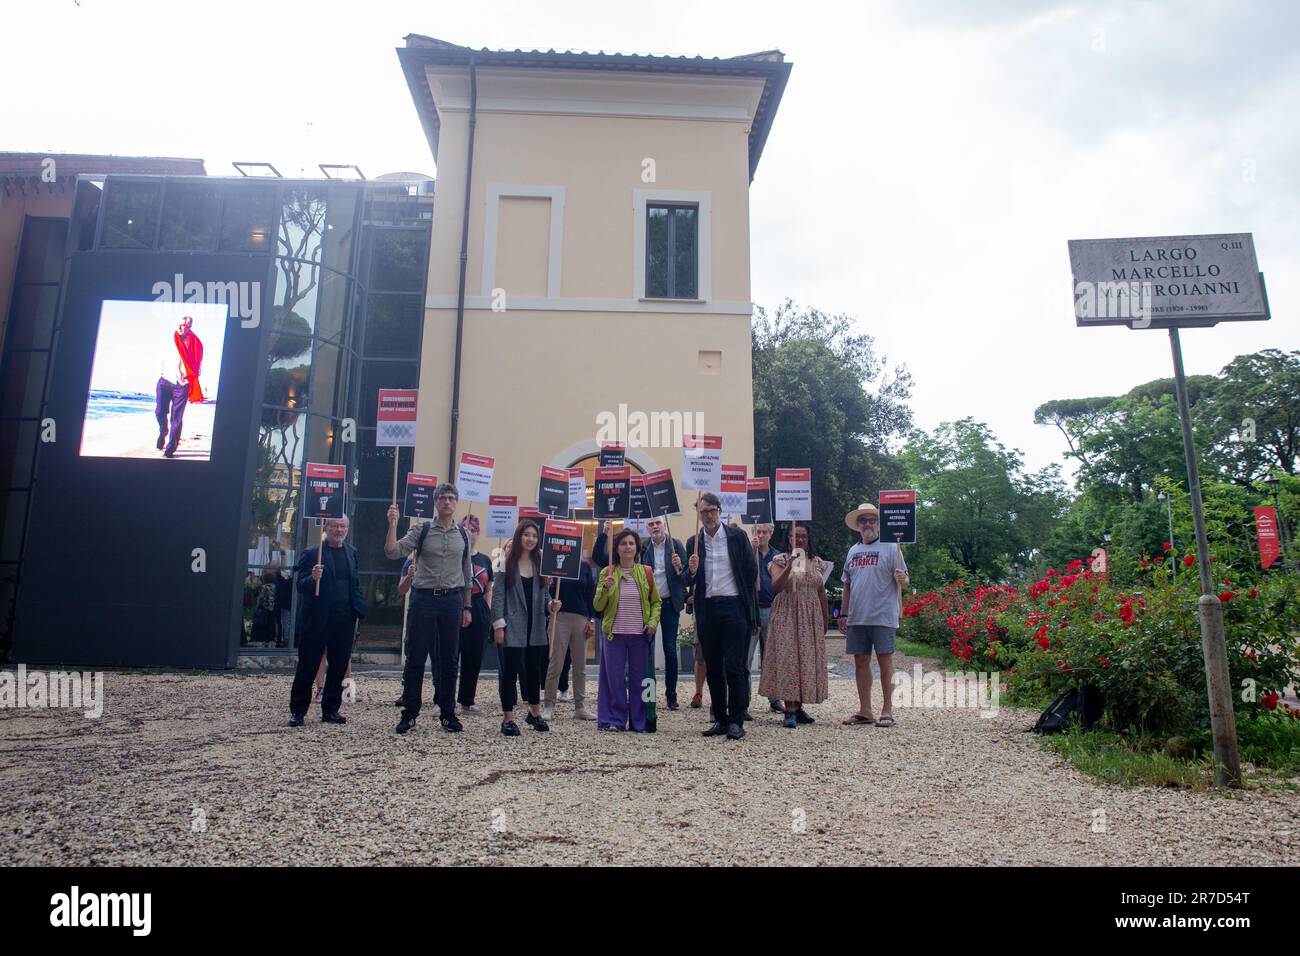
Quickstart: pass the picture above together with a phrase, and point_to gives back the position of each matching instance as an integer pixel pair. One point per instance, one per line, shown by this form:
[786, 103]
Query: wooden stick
[320, 554]
[395, 457]
[550, 640]
[899, 583]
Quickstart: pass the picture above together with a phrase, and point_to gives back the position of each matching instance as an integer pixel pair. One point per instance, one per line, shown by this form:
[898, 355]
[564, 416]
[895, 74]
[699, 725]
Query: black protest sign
[553, 491]
[898, 516]
[561, 549]
[612, 454]
[613, 494]
[661, 490]
[326, 491]
[419, 496]
[638, 503]
[758, 501]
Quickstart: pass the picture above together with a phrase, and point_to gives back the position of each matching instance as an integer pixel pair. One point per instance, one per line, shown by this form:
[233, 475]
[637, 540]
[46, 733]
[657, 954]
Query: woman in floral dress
[794, 667]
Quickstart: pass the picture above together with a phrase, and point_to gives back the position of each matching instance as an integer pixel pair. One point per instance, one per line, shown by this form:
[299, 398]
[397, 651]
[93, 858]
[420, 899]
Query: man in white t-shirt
[874, 571]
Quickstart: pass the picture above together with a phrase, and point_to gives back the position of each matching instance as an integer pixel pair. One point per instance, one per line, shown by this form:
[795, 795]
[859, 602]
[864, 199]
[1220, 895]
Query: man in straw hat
[874, 572]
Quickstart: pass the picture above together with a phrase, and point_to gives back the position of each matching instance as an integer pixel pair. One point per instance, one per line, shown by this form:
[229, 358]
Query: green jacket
[607, 599]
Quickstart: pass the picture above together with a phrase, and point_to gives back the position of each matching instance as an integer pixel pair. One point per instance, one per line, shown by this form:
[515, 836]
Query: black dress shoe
[748, 716]
[718, 729]
[673, 705]
[169, 453]
[451, 724]
[162, 440]
[295, 720]
[537, 723]
[405, 724]
[735, 732]
[334, 718]
[803, 718]
[510, 729]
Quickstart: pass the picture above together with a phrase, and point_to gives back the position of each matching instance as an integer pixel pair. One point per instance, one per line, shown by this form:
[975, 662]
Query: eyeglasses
[452, 498]
[710, 511]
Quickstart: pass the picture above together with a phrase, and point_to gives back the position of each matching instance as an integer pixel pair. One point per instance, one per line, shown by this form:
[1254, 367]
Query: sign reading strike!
[326, 491]
[1167, 281]
[553, 491]
[701, 462]
[418, 502]
[395, 420]
[898, 516]
[613, 493]
[561, 549]
[1266, 533]
[612, 454]
[793, 494]
[733, 489]
[502, 515]
[474, 477]
[758, 501]
[661, 492]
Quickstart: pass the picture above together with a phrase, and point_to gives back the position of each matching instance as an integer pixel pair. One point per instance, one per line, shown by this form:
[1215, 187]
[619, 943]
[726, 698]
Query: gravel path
[202, 770]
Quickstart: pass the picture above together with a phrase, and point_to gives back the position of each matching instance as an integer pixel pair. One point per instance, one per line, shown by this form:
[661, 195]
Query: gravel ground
[202, 770]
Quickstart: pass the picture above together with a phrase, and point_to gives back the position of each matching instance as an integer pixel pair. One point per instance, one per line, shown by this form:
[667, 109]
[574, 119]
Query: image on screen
[154, 381]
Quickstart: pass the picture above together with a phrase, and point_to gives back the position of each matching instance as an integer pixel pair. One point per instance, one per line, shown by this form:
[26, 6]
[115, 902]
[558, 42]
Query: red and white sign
[577, 489]
[702, 462]
[395, 420]
[533, 515]
[793, 494]
[734, 489]
[502, 515]
[1266, 533]
[326, 492]
[474, 477]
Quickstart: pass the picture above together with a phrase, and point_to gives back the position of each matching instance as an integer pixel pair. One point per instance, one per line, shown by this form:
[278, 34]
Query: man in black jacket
[724, 574]
[327, 622]
[667, 558]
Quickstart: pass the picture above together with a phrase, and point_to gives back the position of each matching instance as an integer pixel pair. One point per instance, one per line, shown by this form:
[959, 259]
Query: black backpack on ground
[1085, 703]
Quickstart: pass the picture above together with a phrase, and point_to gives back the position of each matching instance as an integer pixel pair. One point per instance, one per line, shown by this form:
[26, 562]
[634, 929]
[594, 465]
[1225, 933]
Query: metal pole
[1169, 507]
[1223, 723]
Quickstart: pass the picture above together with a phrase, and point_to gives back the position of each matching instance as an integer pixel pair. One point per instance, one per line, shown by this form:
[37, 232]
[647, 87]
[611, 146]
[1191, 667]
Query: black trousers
[472, 641]
[724, 638]
[669, 619]
[168, 396]
[432, 629]
[527, 666]
[334, 641]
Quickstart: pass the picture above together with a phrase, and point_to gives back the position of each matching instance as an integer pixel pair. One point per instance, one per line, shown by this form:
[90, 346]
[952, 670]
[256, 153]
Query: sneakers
[583, 714]
[405, 724]
[696, 702]
[548, 712]
[565, 696]
[509, 728]
[451, 724]
[537, 723]
[470, 708]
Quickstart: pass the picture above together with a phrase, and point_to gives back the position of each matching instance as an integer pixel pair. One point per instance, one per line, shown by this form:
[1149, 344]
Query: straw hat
[866, 508]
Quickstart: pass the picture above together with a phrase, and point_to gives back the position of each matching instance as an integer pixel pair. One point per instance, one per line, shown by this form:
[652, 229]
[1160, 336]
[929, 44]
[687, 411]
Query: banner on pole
[1266, 532]
[474, 477]
[396, 419]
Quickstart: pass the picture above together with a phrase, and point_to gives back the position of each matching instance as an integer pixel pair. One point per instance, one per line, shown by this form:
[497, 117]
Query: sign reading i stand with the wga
[1167, 281]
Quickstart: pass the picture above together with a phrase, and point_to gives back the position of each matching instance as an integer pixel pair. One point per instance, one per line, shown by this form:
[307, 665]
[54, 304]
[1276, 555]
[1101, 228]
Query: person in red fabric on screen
[178, 384]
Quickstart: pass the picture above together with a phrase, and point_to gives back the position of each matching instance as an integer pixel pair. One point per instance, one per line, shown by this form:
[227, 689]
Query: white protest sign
[502, 515]
[702, 462]
[474, 477]
[577, 489]
[793, 494]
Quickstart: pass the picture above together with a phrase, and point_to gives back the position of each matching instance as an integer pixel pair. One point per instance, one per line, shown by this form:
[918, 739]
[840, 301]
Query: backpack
[424, 533]
[1085, 703]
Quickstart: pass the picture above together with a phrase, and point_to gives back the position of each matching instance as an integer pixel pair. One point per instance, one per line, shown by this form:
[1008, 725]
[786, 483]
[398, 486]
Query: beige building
[606, 259]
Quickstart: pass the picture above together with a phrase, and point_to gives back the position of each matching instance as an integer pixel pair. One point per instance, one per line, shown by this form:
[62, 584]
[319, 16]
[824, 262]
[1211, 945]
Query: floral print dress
[794, 665]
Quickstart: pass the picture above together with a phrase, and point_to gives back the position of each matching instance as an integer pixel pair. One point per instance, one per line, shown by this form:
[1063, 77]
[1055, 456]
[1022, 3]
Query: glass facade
[345, 314]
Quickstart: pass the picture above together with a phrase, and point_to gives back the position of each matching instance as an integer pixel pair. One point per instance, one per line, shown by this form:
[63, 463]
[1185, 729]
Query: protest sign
[553, 491]
[474, 477]
[613, 494]
[419, 495]
[702, 462]
[793, 494]
[502, 515]
[561, 549]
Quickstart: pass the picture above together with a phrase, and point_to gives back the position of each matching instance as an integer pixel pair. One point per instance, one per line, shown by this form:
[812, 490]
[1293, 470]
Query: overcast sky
[927, 166]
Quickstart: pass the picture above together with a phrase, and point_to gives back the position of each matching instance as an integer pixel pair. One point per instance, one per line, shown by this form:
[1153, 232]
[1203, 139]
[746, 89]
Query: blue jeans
[669, 617]
[432, 629]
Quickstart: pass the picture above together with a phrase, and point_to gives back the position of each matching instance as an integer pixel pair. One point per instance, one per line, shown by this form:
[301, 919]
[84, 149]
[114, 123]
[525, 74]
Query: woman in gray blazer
[519, 628]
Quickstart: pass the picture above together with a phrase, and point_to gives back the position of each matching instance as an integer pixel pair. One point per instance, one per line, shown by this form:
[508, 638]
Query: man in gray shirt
[440, 605]
[873, 573]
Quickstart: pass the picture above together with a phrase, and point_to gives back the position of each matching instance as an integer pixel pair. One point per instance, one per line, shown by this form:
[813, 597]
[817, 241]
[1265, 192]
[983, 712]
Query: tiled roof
[769, 65]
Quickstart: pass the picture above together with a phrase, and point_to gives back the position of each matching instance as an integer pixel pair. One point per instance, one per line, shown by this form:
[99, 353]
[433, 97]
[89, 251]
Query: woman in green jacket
[626, 594]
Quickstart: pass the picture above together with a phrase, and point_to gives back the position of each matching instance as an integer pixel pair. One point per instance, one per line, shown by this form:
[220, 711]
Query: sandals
[857, 720]
[886, 720]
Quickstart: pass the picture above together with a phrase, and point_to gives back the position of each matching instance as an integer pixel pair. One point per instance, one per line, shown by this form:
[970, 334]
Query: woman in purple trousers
[626, 595]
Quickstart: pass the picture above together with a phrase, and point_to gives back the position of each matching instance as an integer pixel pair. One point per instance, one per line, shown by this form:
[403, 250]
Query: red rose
[1254, 593]
[1166, 546]
[1269, 700]
[1189, 560]
[1226, 596]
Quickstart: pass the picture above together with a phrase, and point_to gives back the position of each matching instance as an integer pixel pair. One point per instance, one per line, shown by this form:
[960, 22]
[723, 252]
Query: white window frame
[555, 253]
[704, 240]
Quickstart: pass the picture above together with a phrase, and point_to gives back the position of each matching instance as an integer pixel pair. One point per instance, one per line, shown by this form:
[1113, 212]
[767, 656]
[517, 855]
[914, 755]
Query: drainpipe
[464, 261]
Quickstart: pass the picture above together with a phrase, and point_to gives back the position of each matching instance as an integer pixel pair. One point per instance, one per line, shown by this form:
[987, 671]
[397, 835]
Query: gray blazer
[508, 605]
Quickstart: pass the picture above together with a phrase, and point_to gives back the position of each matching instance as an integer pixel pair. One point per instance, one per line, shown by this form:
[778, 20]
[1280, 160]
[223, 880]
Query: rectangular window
[130, 214]
[671, 260]
[189, 221]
